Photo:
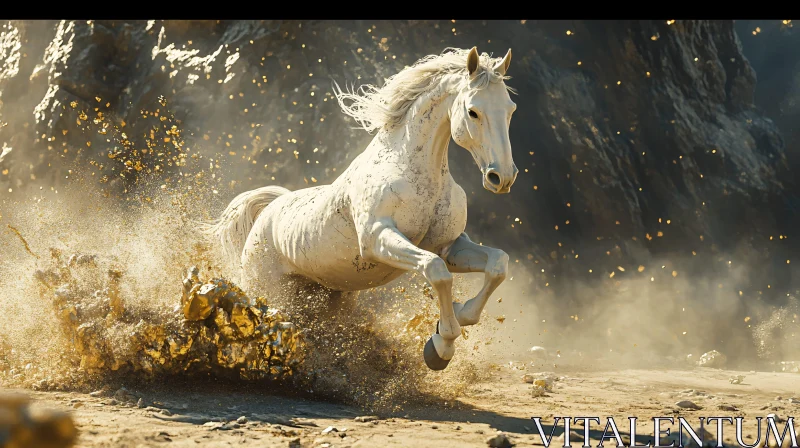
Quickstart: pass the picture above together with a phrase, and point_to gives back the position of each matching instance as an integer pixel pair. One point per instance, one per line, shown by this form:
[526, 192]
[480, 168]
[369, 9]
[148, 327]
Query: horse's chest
[414, 220]
[434, 220]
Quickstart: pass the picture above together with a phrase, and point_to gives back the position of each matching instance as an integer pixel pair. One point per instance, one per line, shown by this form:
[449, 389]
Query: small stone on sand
[738, 379]
[366, 418]
[499, 441]
[775, 418]
[712, 359]
[538, 352]
[686, 404]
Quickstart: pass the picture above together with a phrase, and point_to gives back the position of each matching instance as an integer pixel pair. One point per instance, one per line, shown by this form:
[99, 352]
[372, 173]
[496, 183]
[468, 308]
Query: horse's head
[479, 121]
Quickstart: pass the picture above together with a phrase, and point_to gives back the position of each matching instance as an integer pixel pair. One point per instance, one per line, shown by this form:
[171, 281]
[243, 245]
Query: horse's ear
[502, 66]
[472, 61]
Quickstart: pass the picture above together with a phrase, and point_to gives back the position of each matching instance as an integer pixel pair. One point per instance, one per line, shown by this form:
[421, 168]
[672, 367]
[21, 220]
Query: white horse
[396, 208]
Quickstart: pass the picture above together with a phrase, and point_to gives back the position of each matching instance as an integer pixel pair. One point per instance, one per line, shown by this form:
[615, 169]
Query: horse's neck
[426, 132]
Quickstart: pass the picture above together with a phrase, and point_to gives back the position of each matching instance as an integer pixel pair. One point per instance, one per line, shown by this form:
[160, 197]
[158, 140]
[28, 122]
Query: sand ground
[207, 416]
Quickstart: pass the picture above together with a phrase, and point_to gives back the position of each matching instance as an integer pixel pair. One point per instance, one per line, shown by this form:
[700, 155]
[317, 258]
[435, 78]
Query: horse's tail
[232, 228]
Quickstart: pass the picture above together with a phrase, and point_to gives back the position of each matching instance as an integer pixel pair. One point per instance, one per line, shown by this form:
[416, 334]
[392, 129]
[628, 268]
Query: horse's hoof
[432, 359]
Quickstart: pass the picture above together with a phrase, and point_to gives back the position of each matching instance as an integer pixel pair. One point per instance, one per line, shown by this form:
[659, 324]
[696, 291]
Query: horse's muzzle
[496, 182]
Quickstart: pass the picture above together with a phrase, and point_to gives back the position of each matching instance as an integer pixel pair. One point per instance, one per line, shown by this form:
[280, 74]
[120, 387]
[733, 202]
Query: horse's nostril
[493, 178]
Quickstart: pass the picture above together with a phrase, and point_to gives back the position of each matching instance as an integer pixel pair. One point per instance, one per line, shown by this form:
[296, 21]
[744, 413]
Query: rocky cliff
[636, 140]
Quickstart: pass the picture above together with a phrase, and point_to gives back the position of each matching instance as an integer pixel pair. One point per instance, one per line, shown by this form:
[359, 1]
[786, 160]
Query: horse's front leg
[465, 256]
[385, 244]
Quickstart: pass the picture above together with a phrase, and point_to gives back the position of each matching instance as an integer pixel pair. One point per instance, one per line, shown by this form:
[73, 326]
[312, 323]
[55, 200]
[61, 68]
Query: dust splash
[776, 336]
[114, 302]
[368, 346]
[216, 329]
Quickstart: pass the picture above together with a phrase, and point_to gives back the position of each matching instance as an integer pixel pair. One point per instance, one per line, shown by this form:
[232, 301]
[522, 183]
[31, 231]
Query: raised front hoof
[432, 359]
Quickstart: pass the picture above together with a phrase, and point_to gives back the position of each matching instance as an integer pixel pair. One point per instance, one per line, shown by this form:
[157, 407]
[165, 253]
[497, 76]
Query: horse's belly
[325, 248]
[333, 259]
[346, 276]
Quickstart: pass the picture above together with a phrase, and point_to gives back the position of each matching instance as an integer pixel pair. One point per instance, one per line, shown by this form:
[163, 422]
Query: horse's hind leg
[466, 256]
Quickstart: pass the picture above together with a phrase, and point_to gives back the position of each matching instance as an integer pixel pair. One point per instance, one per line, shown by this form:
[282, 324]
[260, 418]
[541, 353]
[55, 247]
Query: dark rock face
[635, 139]
[773, 49]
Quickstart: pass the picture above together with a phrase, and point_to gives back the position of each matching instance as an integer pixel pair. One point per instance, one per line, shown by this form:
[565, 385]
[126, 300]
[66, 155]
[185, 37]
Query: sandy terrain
[206, 416]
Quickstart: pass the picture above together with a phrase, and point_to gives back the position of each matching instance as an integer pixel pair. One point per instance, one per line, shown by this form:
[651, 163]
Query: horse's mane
[375, 108]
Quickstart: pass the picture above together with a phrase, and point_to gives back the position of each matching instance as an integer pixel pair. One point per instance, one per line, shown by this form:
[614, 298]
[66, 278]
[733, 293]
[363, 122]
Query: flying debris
[216, 328]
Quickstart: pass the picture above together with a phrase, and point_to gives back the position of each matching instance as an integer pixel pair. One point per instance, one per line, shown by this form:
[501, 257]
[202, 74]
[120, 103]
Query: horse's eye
[473, 114]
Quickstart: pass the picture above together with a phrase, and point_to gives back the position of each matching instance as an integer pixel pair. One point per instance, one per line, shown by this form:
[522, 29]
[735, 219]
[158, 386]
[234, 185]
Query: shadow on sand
[199, 403]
